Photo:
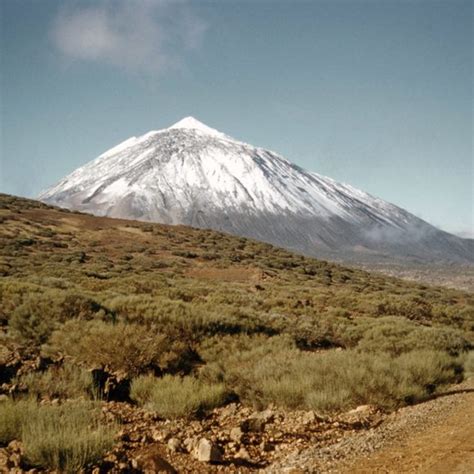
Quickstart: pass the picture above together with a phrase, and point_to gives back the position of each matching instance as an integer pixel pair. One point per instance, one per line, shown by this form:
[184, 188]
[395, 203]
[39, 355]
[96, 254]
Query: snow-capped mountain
[195, 175]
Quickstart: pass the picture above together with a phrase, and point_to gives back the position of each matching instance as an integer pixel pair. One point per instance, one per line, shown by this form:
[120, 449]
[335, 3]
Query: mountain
[195, 175]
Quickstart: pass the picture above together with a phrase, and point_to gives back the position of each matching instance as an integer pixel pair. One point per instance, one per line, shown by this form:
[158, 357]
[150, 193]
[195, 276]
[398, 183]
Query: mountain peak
[190, 123]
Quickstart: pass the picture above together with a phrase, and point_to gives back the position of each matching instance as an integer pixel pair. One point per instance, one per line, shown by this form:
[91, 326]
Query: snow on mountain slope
[192, 174]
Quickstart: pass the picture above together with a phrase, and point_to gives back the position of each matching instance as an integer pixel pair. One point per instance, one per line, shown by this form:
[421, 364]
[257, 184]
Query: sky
[374, 93]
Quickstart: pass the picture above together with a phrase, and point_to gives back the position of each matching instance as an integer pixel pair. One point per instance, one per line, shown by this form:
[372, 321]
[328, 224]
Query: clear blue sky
[377, 94]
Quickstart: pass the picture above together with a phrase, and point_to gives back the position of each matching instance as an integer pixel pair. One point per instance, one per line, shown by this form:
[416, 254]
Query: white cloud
[137, 35]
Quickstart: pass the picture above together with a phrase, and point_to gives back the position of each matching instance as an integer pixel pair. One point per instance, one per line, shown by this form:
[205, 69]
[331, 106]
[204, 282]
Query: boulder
[236, 434]
[253, 424]
[151, 463]
[207, 451]
[174, 445]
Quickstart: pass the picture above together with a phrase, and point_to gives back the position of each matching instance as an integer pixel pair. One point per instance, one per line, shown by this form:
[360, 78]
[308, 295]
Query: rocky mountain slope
[194, 175]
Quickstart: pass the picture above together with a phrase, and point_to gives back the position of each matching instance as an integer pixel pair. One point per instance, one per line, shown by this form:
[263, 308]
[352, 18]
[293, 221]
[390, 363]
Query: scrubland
[190, 320]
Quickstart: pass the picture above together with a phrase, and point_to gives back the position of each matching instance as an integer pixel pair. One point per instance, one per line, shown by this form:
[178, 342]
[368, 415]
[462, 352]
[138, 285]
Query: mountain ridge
[194, 175]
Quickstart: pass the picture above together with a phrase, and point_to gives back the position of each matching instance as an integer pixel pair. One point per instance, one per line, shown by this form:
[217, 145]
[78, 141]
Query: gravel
[397, 426]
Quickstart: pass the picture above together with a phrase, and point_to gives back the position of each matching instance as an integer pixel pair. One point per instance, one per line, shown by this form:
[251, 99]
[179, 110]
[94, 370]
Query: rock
[266, 415]
[236, 434]
[243, 454]
[15, 446]
[189, 444]
[266, 446]
[308, 418]
[161, 435]
[152, 463]
[229, 410]
[253, 424]
[15, 459]
[5, 463]
[360, 415]
[362, 410]
[206, 451]
[174, 444]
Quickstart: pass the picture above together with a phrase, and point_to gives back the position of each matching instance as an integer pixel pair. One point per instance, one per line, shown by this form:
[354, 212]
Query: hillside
[193, 175]
[159, 345]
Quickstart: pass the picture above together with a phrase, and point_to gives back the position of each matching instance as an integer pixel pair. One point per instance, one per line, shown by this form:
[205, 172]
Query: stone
[15, 446]
[243, 454]
[174, 444]
[362, 410]
[189, 444]
[206, 451]
[309, 417]
[229, 410]
[236, 434]
[253, 424]
[161, 435]
[151, 463]
[266, 415]
[360, 415]
[267, 447]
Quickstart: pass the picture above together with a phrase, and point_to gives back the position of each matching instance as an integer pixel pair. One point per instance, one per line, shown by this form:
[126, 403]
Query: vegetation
[173, 396]
[192, 315]
[13, 416]
[66, 381]
[66, 438]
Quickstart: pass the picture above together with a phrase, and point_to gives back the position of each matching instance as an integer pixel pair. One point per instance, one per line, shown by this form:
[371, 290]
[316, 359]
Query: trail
[447, 446]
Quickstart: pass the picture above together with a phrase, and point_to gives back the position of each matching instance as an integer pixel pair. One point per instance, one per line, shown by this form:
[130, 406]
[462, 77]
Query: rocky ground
[230, 439]
[240, 439]
[433, 437]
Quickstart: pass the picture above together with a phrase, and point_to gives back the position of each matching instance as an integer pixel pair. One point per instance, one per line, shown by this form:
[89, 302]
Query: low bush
[268, 372]
[398, 335]
[66, 381]
[469, 363]
[174, 396]
[12, 416]
[67, 438]
[128, 348]
[39, 314]
[32, 322]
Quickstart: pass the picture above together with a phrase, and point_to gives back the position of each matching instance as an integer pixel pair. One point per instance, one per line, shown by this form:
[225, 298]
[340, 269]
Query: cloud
[137, 35]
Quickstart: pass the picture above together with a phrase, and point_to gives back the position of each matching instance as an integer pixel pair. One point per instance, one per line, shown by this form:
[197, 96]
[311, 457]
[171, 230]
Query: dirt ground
[446, 447]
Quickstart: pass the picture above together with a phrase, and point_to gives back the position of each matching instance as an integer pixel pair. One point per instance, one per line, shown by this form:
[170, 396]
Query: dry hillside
[132, 346]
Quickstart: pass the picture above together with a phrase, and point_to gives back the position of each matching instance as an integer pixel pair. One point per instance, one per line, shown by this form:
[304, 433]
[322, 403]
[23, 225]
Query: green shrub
[266, 371]
[469, 363]
[128, 348]
[39, 314]
[13, 415]
[66, 381]
[32, 321]
[67, 438]
[398, 335]
[174, 396]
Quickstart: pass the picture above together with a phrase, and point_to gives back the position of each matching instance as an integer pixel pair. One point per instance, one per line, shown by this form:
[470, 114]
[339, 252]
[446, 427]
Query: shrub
[174, 396]
[67, 438]
[32, 322]
[39, 314]
[398, 335]
[66, 381]
[12, 416]
[268, 372]
[469, 363]
[128, 348]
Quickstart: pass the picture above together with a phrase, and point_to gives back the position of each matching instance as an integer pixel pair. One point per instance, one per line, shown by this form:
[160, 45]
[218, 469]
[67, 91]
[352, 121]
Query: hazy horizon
[374, 94]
